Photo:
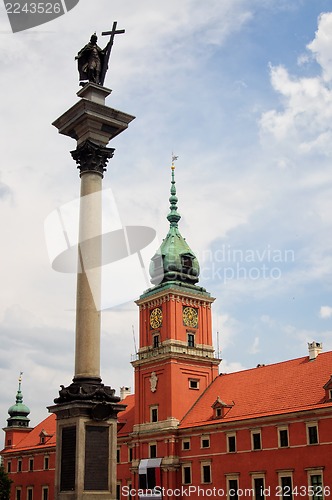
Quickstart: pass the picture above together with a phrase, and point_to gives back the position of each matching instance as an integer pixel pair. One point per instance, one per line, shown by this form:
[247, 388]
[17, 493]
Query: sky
[241, 91]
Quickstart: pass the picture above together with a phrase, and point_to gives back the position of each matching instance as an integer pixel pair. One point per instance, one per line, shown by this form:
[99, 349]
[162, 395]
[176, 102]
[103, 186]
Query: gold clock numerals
[190, 316]
[156, 318]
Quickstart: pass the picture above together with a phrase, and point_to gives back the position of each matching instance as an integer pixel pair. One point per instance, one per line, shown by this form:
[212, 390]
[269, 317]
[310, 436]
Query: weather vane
[93, 61]
[174, 158]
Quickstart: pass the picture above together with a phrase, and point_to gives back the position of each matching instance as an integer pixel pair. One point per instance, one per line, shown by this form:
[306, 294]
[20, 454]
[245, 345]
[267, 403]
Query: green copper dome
[18, 413]
[174, 260]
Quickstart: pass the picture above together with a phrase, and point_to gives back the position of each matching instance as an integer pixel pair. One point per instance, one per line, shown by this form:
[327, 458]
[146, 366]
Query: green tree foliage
[5, 483]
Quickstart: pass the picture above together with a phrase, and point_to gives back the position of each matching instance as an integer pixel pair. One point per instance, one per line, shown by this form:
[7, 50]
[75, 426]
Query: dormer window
[43, 437]
[187, 261]
[220, 408]
[328, 389]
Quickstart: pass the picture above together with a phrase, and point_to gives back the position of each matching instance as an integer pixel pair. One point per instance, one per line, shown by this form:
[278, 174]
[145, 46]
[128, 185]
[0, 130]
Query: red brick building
[189, 431]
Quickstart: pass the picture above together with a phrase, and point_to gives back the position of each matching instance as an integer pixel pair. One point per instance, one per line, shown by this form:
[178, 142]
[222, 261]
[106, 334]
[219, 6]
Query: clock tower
[175, 362]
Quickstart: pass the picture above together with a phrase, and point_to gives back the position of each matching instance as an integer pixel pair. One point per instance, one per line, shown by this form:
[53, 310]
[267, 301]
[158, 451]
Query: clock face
[190, 317]
[156, 318]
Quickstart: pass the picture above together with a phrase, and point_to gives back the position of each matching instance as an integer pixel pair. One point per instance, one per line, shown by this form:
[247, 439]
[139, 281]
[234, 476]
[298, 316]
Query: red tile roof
[289, 386]
[126, 417]
[32, 440]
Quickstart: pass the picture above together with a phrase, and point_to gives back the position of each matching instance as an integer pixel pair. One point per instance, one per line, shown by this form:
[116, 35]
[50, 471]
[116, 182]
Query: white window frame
[312, 424]
[228, 435]
[256, 431]
[315, 471]
[45, 488]
[232, 477]
[186, 440]
[285, 473]
[283, 428]
[154, 407]
[203, 438]
[204, 464]
[257, 475]
[195, 381]
[191, 475]
[29, 488]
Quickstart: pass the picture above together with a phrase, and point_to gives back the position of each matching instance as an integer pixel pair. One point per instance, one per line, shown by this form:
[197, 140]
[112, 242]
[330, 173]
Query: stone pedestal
[86, 410]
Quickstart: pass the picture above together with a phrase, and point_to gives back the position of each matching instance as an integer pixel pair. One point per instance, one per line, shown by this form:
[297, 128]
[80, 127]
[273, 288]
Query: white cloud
[325, 312]
[305, 116]
[321, 45]
[254, 349]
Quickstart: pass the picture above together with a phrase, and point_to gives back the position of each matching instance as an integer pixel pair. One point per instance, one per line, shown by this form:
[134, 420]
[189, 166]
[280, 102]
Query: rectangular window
[29, 494]
[259, 488]
[232, 491]
[46, 463]
[286, 487]
[186, 474]
[153, 451]
[191, 340]
[193, 383]
[118, 492]
[9, 467]
[205, 442]
[118, 455]
[45, 493]
[30, 464]
[256, 440]
[312, 433]
[316, 482]
[156, 341]
[283, 438]
[18, 494]
[231, 443]
[130, 454]
[206, 473]
[186, 444]
[19, 465]
[154, 414]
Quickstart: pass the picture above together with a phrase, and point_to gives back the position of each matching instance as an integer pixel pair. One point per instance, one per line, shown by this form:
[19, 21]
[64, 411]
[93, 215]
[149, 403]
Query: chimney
[314, 348]
[124, 392]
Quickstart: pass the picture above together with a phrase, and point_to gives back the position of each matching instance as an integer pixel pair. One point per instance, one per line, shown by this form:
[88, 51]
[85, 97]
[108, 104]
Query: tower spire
[18, 413]
[174, 261]
[173, 217]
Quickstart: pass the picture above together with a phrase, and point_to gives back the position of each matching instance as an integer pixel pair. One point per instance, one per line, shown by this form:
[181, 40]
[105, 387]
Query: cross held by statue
[112, 34]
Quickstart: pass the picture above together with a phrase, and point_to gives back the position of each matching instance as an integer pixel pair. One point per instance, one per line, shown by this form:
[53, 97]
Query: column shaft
[87, 352]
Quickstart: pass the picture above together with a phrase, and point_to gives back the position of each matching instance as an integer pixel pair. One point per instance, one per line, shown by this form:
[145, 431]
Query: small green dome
[18, 413]
[174, 260]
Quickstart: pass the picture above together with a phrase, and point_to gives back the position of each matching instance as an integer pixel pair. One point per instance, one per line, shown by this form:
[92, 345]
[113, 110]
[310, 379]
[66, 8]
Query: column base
[86, 389]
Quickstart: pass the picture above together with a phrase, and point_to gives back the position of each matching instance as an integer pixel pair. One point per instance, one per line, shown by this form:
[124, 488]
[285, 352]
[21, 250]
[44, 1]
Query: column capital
[91, 157]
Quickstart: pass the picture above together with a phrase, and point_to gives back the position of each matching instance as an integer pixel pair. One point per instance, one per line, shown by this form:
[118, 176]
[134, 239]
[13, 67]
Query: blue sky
[241, 91]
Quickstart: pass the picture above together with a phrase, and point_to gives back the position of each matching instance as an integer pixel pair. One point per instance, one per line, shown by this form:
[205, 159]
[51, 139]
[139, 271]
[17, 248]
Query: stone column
[86, 410]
